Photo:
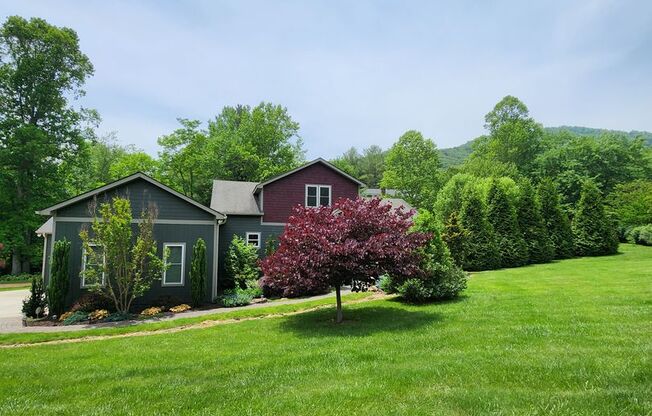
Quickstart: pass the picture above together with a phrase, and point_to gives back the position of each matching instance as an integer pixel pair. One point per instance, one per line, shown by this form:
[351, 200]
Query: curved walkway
[14, 324]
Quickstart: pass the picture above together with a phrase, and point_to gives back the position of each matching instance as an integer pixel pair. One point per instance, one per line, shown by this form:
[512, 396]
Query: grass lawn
[573, 337]
[13, 286]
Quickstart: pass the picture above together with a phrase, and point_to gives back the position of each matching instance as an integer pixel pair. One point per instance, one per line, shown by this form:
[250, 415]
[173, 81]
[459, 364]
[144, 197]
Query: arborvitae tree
[594, 233]
[555, 219]
[455, 238]
[198, 272]
[539, 246]
[502, 216]
[480, 251]
[59, 279]
[34, 305]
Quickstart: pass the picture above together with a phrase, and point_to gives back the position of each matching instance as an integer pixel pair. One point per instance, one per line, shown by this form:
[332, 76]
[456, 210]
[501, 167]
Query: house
[255, 211]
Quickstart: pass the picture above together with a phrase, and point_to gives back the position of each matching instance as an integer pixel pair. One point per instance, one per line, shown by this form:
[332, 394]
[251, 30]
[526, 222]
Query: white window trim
[183, 264]
[253, 233]
[84, 259]
[330, 194]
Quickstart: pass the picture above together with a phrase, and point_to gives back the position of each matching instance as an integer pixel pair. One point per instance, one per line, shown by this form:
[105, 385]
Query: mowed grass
[8, 287]
[572, 337]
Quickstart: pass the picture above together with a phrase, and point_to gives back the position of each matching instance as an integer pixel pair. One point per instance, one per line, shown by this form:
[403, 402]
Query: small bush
[255, 292]
[91, 301]
[152, 311]
[34, 305]
[98, 315]
[65, 316]
[75, 318]
[386, 284]
[414, 290]
[118, 316]
[241, 263]
[166, 302]
[17, 278]
[180, 308]
[233, 298]
[640, 235]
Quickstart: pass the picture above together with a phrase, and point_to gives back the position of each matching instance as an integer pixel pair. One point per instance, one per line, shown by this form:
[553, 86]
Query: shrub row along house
[256, 212]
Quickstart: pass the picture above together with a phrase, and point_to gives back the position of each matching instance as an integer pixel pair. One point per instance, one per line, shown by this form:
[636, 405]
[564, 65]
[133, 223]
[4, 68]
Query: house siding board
[240, 225]
[281, 196]
[141, 193]
[163, 233]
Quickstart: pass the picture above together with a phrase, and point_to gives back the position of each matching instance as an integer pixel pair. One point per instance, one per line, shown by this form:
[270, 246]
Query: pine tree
[594, 233]
[481, 252]
[198, 272]
[555, 219]
[539, 245]
[455, 238]
[59, 278]
[502, 216]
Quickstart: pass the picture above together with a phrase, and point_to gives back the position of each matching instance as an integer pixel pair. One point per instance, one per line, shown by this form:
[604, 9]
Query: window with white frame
[175, 264]
[253, 239]
[318, 195]
[93, 266]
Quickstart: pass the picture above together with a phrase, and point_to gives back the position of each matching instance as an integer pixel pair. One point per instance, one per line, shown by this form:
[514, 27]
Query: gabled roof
[234, 197]
[127, 179]
[46, 228]
[318, 160]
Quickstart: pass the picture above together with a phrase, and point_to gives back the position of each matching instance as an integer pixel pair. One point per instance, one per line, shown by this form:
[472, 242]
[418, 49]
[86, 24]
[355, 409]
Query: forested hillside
[454, 156]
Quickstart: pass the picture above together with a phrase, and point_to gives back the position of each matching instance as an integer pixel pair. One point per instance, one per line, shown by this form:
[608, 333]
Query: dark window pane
[312, 191]
[174, 255]
[173, 274]
[312, 201]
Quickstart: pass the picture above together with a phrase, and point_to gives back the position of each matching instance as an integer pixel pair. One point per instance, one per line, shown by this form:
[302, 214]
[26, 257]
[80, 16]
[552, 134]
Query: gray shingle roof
[234, 197]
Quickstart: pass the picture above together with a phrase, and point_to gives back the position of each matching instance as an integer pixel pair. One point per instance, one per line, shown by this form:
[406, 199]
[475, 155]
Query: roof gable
[234, 197]
[318, 160]
[125, 180]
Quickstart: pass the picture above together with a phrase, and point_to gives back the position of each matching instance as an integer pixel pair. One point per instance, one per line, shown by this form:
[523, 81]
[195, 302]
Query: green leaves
[594, 233]
[59, 278]
[198, 272]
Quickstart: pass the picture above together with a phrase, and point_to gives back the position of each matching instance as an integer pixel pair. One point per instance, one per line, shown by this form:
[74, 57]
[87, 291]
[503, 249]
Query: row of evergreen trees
[495, 223]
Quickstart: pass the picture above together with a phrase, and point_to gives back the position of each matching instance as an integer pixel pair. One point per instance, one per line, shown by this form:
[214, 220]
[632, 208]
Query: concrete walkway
[14, 324]
[11, 303]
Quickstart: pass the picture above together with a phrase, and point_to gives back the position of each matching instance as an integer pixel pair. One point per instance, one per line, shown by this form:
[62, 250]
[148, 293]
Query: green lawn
[4, 288]
[573, 337]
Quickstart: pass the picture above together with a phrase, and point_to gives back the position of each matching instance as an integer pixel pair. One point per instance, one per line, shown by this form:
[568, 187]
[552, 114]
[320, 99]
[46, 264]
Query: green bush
[59, 279]
[91, 301]
[386, 284]
[241, 264]
[118, 317]
[480, 249]
[502, 216]
[555, 220]
[594, 233]
[234, 297]
[539, 245]
[34, 305]
[76, 317]
[640, 235]
[414, 290]
[198, 272]
[17, 278]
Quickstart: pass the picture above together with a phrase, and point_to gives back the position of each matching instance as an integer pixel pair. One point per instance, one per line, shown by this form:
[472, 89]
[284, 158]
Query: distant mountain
[454, 156]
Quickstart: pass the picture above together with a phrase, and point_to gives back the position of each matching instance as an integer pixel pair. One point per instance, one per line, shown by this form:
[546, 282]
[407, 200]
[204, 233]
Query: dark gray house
[254, 211]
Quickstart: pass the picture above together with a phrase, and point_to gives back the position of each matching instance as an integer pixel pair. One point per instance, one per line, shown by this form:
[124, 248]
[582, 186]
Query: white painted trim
[216, 256]
[45, 246]
[319, 187]
[318, 160]
[183, 264]
[138, 221]
[138, 175]
[248, 233]
[54, 234]
[280, 224]
[82, 281]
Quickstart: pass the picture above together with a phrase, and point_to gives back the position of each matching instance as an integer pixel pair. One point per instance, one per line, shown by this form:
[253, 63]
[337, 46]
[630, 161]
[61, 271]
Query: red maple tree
[352, 242]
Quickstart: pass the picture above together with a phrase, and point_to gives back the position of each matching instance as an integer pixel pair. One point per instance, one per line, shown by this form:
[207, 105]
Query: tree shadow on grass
[358, 321]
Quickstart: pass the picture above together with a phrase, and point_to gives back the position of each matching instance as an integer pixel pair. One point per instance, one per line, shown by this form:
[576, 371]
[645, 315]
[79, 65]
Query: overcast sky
[357, 73]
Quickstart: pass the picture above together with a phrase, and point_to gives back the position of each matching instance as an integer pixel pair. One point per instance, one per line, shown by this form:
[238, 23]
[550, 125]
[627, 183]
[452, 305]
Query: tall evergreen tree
[480, 251]
[594, 233]
[59, 278]
[502, 216]
[455, 238]
[539, 246]
[555, 219]
[198, 272]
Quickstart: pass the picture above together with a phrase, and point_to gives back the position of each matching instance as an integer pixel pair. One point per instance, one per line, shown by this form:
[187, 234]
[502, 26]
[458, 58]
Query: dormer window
[318, 195]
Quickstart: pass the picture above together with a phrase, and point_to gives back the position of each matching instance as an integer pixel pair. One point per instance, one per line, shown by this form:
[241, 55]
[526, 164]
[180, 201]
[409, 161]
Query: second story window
[318, 195]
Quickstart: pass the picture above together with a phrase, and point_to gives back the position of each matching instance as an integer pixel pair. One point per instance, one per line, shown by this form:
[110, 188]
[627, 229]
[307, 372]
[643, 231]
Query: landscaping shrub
[98, 315]
[480, 250]
[271, 245]
[555, 220]
[17, 278]
[233, 297]
[502, 216]
[118, 317]
[594, 233]
[533, 230]
[414, 290]
[34, 305]
[198, 272]
[640, 235]
[59, 279]
[180, 308]
[75, 318]
[241, 263]
[151, 311]
[386, 284]
[166, 301]
[91, 301]
[255, 292]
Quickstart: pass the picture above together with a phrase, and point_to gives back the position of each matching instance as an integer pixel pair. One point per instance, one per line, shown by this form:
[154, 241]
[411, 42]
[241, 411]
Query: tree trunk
[338, 296]
[16, 264]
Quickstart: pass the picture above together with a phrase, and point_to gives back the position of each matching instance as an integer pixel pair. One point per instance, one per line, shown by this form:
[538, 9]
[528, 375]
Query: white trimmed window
[175, 264]
[253, 239]
[93, 263]
[318, 195]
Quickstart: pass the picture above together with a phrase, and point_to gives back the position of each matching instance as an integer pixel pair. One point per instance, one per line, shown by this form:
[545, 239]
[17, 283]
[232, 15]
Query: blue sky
[356, 73]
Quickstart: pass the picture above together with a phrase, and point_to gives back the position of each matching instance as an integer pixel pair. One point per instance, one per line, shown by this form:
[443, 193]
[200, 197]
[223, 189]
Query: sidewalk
[15, 325]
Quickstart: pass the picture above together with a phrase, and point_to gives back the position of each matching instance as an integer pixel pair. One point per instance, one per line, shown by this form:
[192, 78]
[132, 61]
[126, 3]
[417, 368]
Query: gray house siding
[141, 194]
[240, 225]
